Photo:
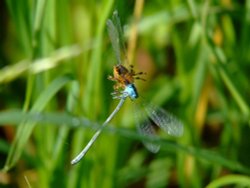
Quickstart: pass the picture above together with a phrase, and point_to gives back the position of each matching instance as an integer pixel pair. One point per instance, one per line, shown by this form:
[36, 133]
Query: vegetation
[55, 57]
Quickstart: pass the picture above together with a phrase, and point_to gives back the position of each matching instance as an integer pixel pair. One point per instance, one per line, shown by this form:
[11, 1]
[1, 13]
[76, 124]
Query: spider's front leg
[136, 75]
[112, 78]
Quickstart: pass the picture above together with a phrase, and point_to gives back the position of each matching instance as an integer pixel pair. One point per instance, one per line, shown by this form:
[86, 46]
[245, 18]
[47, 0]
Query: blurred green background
[55, 57]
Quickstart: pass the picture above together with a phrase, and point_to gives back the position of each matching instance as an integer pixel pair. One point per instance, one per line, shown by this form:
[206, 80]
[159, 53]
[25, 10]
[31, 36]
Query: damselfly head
[131, 91]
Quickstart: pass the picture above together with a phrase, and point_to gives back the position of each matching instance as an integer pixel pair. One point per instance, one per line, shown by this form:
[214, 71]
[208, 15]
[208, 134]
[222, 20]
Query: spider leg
[139, 78]
[139, 73]
[112, 78]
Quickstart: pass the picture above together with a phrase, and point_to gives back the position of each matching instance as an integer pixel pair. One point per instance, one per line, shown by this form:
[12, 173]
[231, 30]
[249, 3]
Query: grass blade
[25, 128]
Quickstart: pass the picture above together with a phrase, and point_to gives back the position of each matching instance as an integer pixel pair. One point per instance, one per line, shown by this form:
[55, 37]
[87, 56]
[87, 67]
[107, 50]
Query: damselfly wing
[123, 73]
[116, 36]
[150, 115]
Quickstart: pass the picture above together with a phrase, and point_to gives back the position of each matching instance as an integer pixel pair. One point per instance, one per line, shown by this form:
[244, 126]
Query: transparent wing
[114, 38]
[145, 127]
[166, 121]
[117, 38]
[118, 25]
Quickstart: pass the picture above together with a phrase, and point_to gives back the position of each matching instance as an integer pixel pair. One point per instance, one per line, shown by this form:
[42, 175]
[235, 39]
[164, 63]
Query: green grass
[55, 58]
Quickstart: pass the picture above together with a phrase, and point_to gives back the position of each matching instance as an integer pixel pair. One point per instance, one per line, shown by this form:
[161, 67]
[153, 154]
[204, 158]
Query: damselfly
[150, 115]
[124, 77]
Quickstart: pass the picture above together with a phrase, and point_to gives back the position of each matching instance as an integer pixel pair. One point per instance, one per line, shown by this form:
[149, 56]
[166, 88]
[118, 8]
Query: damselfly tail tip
[73, 162]
[76, 160]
